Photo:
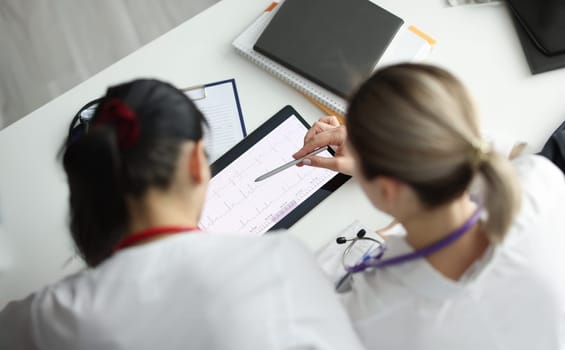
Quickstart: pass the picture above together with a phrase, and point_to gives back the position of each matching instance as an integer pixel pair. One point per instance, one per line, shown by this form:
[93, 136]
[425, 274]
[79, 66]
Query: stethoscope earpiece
[341, 240]
[359, 235]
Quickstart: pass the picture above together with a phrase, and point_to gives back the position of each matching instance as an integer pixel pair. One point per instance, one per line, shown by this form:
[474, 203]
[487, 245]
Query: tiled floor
[47, 47]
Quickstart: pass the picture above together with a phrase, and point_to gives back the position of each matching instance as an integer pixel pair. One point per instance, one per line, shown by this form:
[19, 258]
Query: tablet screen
[235, 203]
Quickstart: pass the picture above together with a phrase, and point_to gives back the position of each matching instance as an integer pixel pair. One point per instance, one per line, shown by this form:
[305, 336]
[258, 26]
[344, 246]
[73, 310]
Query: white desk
[477, 43]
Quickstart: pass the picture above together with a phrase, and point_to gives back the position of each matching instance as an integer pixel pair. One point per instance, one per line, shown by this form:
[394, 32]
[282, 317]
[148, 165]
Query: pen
[289, 164]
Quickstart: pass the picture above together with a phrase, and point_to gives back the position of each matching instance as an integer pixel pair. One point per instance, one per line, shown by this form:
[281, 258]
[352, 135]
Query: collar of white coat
[422, 278]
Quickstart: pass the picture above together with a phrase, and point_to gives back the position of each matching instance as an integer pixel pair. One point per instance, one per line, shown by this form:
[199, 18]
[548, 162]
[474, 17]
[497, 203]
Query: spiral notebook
[410, 44]
[338, 57]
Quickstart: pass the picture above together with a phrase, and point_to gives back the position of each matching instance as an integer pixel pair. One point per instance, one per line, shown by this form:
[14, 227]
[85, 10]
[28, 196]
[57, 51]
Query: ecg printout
[235, 203]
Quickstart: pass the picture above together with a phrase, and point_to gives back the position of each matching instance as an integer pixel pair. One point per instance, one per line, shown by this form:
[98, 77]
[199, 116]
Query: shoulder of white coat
[56, 306]
[293, 257]
[543, 192]
[319, 320]
[543, 184]
[532, 167]
[284, 243]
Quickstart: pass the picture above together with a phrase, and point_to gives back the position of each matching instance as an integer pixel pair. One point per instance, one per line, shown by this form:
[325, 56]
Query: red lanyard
[135, 238]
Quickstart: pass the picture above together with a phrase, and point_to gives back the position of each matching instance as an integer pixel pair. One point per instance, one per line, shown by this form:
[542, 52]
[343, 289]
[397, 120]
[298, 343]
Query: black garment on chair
[554, 148]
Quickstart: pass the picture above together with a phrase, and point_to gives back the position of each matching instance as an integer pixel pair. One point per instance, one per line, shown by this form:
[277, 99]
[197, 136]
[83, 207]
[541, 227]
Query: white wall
[47, 47]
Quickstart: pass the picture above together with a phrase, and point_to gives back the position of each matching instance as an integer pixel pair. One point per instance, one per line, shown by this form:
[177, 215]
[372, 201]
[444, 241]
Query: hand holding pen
[325, 132]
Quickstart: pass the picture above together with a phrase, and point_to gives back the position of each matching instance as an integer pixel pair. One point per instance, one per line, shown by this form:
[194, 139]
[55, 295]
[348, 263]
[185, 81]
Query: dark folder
[334, 43]
[541, 28]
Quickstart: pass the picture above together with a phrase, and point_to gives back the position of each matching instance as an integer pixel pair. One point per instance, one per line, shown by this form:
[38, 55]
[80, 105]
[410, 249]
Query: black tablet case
[541, 29]
[334, 43]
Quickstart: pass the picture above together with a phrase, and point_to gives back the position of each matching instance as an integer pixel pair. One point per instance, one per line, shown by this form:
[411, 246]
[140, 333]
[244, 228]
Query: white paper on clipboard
[219, 102]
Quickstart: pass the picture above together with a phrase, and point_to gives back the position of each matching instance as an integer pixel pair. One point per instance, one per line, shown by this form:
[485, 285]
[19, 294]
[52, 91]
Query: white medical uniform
[512, 298]
[187, 291]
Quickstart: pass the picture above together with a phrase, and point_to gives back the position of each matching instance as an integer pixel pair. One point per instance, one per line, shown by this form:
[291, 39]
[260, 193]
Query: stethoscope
[373, 261]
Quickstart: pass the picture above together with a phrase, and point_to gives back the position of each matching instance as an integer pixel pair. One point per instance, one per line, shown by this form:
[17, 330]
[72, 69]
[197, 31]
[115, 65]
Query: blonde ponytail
[417, 123]
[501, 194]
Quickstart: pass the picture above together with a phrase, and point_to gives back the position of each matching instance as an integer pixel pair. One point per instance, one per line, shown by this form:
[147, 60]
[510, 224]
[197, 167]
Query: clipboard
[235, 203]
[219, 102]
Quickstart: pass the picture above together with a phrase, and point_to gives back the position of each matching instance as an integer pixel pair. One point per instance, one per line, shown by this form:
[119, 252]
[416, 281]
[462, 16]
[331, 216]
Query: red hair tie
[123, 118]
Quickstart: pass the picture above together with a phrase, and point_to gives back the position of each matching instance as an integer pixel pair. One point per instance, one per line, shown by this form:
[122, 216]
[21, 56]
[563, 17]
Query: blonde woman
[480, 259]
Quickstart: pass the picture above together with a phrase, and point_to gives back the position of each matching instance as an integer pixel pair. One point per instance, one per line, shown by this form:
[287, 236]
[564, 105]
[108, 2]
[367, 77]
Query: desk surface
[476, 43]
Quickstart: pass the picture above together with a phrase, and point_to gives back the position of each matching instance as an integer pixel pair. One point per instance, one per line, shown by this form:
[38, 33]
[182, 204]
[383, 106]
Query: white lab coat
[187, 291]
[512, 298]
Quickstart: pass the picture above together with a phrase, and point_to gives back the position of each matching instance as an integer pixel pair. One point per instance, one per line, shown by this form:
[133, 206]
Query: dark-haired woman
[478, 261]
[138, 177]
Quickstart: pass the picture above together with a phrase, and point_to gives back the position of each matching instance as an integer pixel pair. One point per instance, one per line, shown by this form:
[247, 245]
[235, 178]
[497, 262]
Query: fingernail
[307, 162]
